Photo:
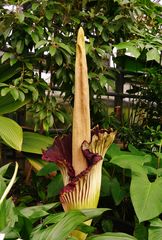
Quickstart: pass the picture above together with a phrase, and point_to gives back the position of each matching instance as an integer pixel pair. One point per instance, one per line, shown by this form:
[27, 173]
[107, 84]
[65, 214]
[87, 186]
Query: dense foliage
[38, 37]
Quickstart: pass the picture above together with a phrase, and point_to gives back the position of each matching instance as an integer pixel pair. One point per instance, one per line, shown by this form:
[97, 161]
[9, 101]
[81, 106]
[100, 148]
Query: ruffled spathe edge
[82, 190]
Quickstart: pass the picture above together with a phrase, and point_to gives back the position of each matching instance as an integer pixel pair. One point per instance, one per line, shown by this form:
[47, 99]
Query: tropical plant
[38, 37]
[36, 222]
[145, 185]
[78, 156]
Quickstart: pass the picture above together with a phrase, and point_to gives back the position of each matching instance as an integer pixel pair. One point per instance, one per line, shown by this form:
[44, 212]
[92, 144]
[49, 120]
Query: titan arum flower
[80, 155]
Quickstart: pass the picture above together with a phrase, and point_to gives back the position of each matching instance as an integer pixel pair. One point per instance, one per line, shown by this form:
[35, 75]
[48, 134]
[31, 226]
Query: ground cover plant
[41, 36]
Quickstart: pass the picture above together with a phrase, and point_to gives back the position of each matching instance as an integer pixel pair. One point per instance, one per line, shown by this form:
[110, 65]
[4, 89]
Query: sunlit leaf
[147, 204]
[6, 56]
[11, 133]
[153, 54]
[35, 143]
[36, 212]
[155, 229]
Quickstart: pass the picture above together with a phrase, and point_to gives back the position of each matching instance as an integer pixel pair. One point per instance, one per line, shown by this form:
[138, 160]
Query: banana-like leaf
[36, 212]
[67, 222]
[112, 236]
[155, 229]
[11, 133]
[35, 143]
[62, 229]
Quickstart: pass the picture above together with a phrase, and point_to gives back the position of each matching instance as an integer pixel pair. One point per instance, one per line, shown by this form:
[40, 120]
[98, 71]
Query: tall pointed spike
[81, 112]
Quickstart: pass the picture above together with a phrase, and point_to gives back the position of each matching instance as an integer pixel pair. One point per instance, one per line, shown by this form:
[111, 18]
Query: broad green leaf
[66, 223]
[60, 116]
[94, 85]
[83, 227]
[132, 162]
[5, 91]
[146, 196]
[99, 27]
[113, 150]
[13, 61]
[6, 72]
[3, 85]
[150, 195]
[155, 229]
[35, 37]
[112, 236]
[11, 133]
[134, 51]
[12, 217]
[6, 56]
[141, 231]
[49, 14]
[20, 46]
[123, 45]
[35, 6]
[105, 36]
[3, 169]
[20, 16]
[65, 47]
[105, 185]
[153, 54]
[62, 229]
[135, 151]
[11, 233]
[93, 212]
[54, 218]
[33, 17]
[55, 186]
[103, 80]
[40, 43]
[35, 143]
[89, 213]
[36, 212]
[29, 65]
[117, 192]
[58, 58]
[156, 222]
[130, 48]
[8, 105]
[15, 93]
[3, 216]
[48, 168]
[52, 50]
[21, 96]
